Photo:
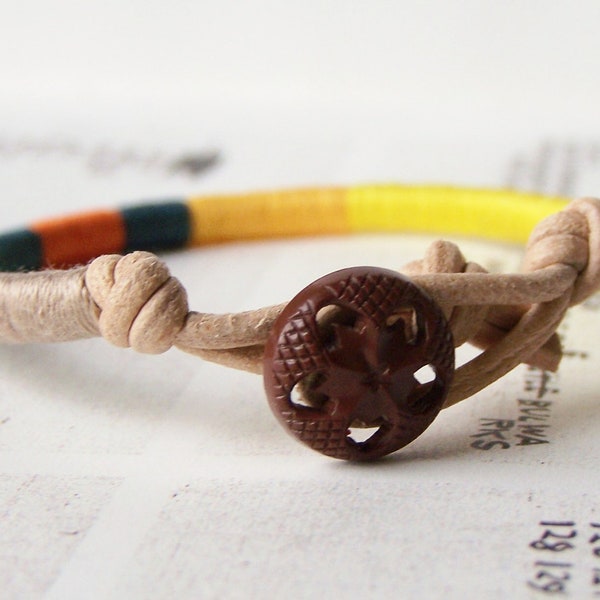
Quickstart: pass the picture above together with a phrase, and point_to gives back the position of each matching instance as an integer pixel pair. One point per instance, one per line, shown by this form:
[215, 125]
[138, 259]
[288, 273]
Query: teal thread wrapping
[155, 227]
[20, 250]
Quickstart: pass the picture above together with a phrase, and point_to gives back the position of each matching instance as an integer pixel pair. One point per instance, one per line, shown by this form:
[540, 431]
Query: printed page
[127, 475]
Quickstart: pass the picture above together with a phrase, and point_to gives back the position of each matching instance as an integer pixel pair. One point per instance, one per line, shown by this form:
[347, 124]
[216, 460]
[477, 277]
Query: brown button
[359, 351]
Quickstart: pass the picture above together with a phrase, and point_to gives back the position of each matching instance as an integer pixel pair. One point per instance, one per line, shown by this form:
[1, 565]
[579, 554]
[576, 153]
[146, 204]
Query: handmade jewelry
[362, 347]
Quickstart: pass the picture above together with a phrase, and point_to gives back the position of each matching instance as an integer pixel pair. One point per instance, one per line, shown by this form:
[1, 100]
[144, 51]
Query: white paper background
[130, 476]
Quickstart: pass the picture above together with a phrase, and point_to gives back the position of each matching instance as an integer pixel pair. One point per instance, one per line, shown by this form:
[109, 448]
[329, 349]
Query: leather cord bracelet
[359, 348]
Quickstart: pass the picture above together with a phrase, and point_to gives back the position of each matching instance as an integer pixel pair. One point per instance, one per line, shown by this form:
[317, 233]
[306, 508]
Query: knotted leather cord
[133, 301]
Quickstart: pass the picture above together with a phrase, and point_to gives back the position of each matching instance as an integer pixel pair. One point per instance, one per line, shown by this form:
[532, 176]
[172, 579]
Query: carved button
[359, 363]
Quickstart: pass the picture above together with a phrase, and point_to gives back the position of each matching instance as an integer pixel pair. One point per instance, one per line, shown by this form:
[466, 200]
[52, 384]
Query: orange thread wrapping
[71, 241]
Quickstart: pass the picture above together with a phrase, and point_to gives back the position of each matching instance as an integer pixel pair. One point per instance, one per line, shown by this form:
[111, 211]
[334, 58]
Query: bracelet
[363, 348]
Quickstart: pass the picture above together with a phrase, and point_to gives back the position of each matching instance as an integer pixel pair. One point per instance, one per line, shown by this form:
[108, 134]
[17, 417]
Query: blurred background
[292, 93]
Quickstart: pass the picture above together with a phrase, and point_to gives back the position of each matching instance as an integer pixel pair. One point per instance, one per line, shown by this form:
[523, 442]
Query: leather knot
[572, 238]
[483, 324]
[442, 256]
[141, 306]
[588, 280]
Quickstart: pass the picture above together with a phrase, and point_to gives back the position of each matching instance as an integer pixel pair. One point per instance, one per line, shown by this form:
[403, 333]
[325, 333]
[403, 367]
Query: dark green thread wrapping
[20, 250]
[156, 227]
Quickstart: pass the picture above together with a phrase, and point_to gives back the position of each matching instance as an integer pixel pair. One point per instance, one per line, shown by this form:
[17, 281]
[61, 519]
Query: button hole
[304, 394]
[426, 374]
[405, 317]
[360, 435]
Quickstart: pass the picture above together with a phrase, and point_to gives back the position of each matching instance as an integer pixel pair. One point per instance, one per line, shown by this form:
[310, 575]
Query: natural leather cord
[132, 301]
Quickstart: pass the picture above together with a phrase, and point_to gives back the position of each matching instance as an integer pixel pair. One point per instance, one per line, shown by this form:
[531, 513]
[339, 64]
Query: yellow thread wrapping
[498, 214]
[270, 214]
